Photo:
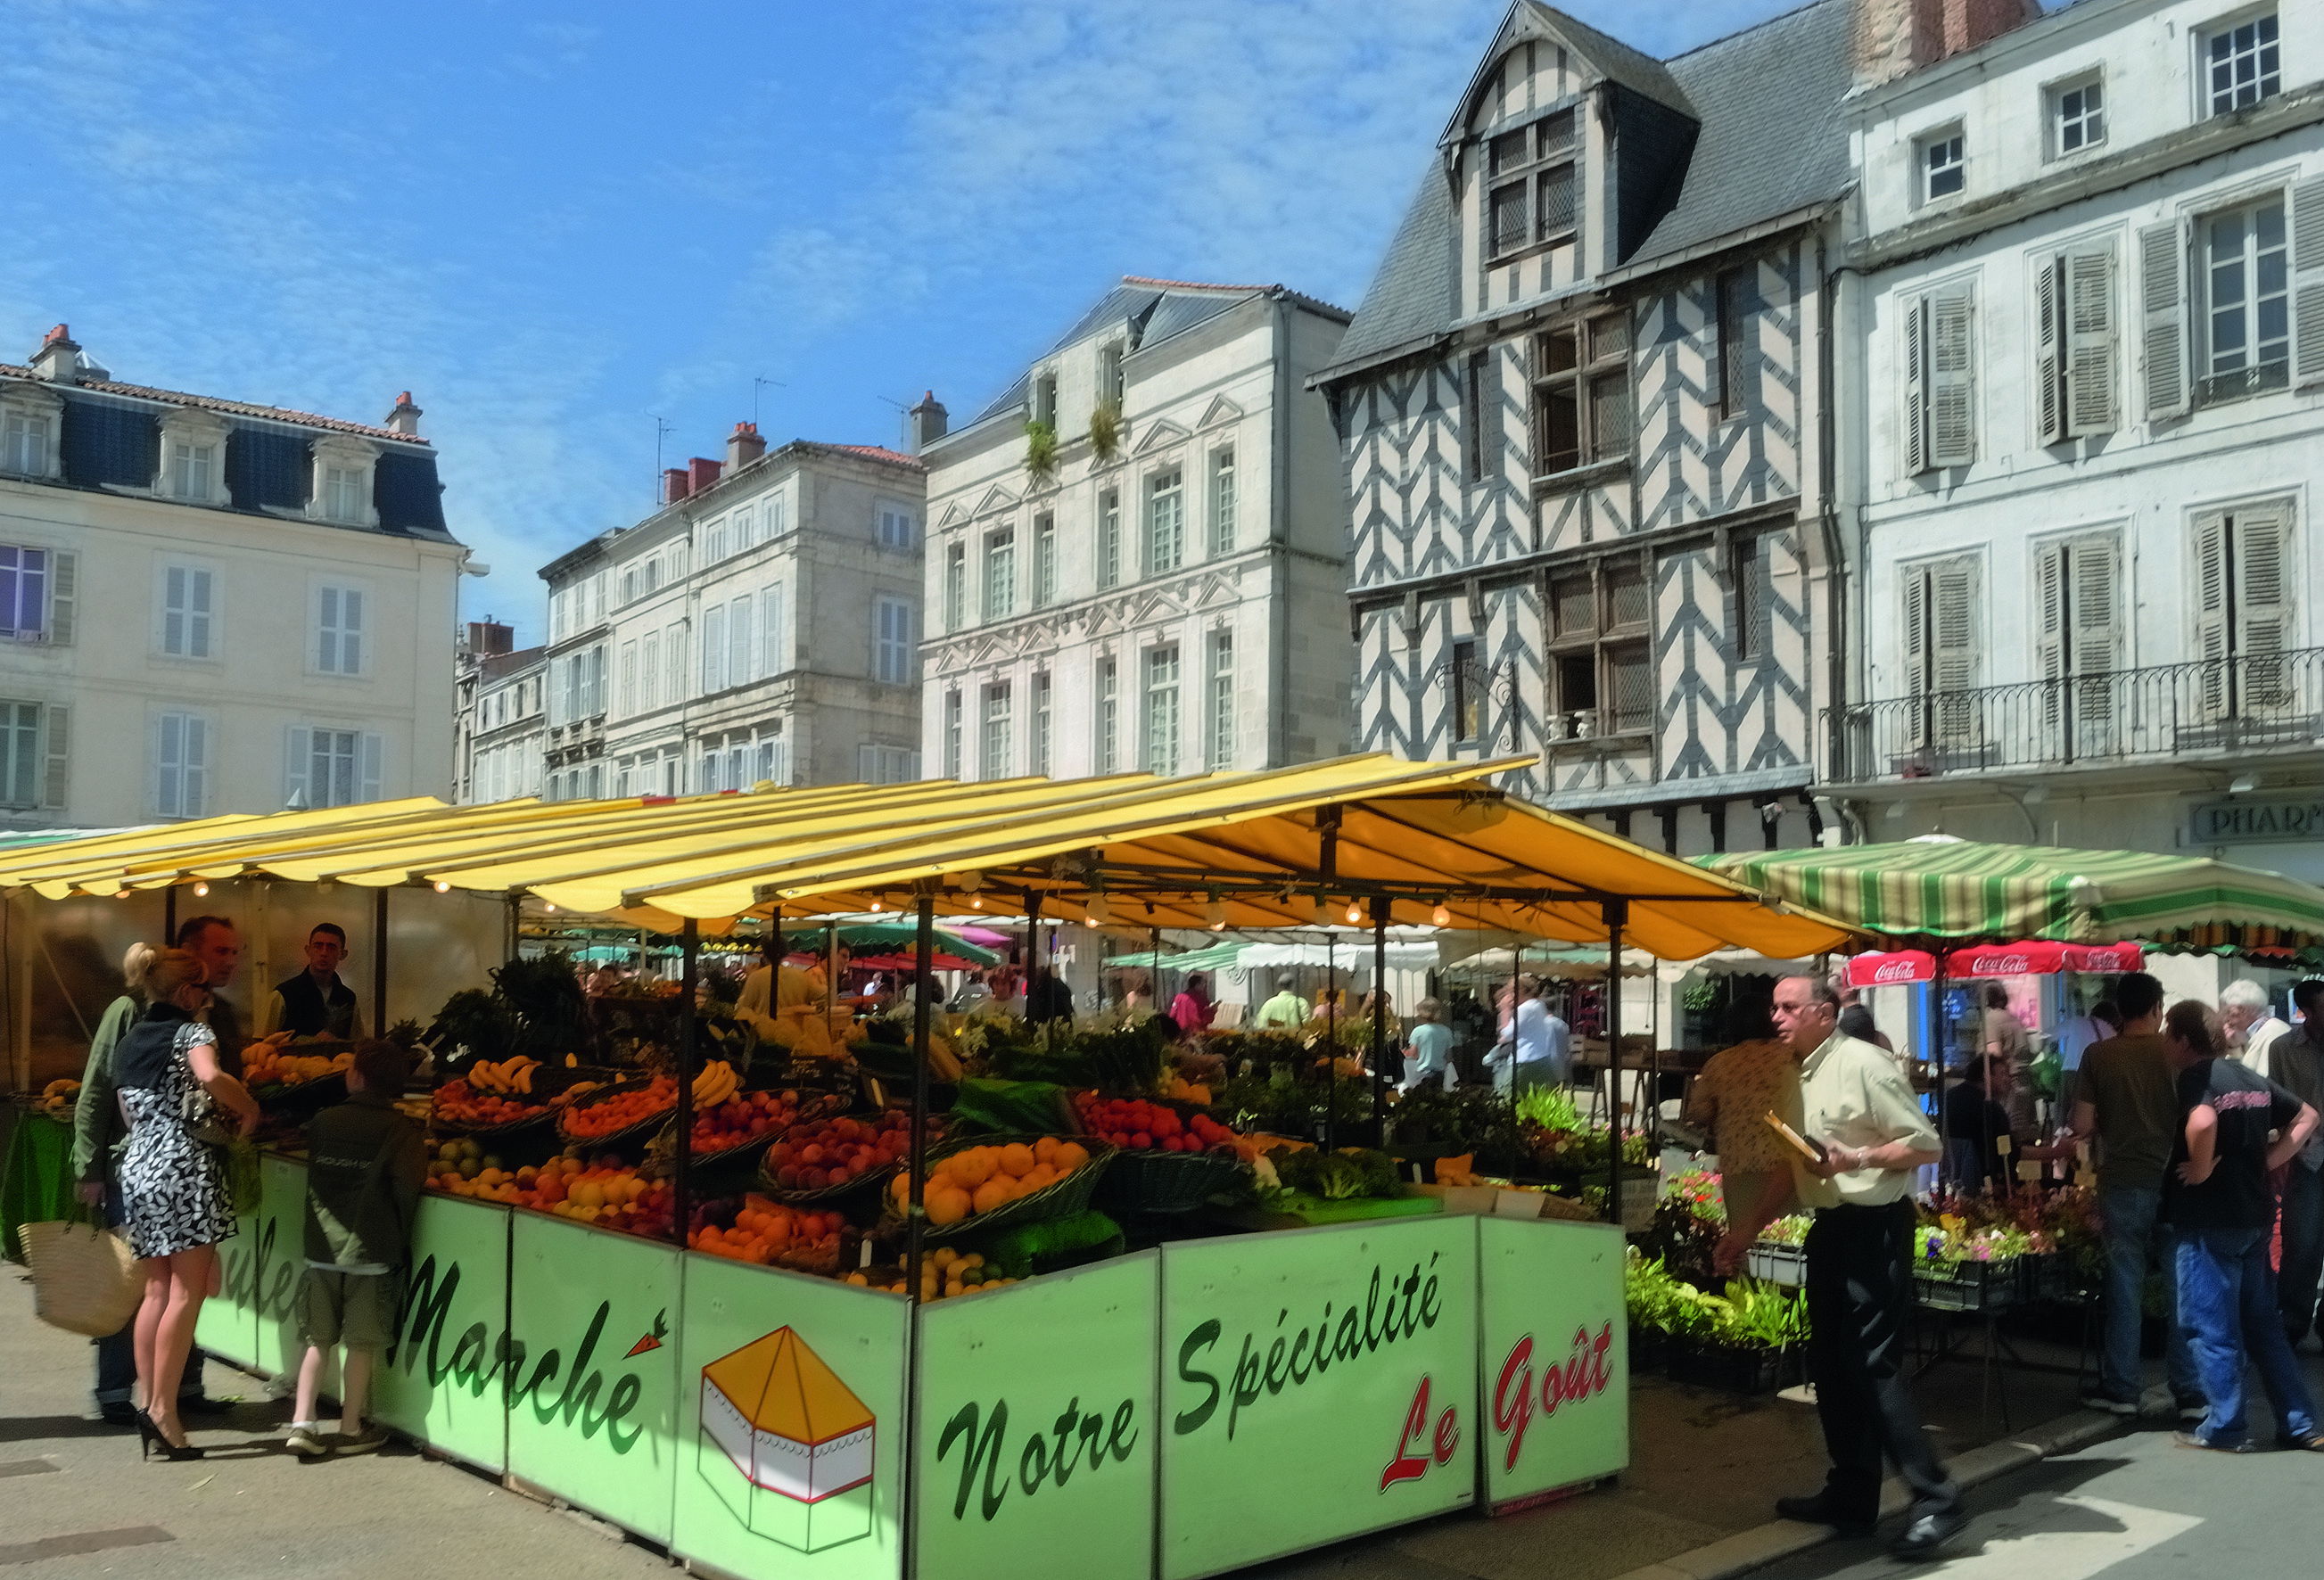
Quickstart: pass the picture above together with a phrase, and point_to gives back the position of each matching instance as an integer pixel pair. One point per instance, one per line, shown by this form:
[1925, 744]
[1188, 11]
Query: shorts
[353, 1309]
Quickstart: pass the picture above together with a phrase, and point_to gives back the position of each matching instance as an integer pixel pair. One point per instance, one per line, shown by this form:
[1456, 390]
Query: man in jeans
[2296, 1063]
[2126, 1098]
[2240, 1127]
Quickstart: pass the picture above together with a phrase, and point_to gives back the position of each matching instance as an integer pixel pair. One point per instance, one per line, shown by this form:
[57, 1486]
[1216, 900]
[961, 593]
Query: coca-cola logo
[1892, 971]
[1587, 1373]
[2001, 964]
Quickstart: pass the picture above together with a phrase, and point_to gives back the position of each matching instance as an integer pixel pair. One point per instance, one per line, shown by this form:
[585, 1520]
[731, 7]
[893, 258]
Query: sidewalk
[1705, 1469]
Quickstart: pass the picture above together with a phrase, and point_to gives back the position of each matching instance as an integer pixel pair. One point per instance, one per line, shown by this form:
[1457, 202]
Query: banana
[714, 1083]
[524, 1076]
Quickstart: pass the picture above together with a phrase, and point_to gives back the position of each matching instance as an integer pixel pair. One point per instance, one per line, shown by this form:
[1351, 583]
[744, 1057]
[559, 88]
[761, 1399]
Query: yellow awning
[1251, 849]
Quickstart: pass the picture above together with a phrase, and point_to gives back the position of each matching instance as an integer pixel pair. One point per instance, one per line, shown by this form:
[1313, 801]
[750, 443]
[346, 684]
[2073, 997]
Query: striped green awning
[1953, 890]
[1218, 956]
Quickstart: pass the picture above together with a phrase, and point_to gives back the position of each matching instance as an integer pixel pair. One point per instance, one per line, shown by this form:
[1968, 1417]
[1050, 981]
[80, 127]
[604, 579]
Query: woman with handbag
[181, 1109]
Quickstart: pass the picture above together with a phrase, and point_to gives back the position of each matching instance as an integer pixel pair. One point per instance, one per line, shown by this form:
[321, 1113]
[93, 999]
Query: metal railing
[2248, 702]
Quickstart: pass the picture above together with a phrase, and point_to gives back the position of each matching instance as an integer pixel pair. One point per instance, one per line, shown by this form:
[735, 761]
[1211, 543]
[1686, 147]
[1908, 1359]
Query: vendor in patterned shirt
[1736, 1090]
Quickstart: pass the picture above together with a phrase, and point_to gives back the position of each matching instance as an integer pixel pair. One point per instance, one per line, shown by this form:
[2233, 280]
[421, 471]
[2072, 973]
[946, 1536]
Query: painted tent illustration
[786, 1444]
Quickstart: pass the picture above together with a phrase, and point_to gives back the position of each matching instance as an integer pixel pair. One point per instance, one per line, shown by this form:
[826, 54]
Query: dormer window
[28, 435]
[340, 489]
[1045, 399]
[1532, 193]
[193, 458]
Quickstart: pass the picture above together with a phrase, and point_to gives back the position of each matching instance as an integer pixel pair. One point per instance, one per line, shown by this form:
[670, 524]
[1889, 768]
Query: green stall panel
[1316, 1385]
[228, 1327]
[1036, 1426]
[282, 1267]
[790, 1417]
[593, 1381]
[1556, 1356]
[443, 1381]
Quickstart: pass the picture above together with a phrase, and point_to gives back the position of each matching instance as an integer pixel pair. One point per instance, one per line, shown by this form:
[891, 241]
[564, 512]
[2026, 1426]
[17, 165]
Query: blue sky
[555, 223]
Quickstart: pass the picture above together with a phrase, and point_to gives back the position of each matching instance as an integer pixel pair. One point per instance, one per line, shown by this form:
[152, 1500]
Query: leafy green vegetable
[1551, 1107]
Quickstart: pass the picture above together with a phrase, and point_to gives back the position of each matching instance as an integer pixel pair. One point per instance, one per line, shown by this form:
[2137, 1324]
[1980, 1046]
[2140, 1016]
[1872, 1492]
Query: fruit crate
[1970, 1286]
[1778, 1265]
[629, 1135]
[1064, 1198]
[1747, 1371]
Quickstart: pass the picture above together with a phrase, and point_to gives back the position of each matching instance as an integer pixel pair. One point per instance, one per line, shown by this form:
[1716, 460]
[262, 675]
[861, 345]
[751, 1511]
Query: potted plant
[1780, 1256]
[1749, 1341]
[1105, 430]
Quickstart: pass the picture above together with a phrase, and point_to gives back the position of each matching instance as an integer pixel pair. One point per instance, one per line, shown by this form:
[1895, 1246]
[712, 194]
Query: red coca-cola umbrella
[2041, 958]
[1894, 969]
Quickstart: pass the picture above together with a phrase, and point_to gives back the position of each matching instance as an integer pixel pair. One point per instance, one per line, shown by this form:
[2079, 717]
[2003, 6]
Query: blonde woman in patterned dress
[174, 1189]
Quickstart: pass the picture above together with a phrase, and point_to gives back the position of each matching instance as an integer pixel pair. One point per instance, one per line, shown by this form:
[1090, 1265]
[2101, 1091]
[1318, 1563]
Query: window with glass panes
[20, 759]
[955, 586]
[1944, 164]
[892, 641]
[1045, 560]
[1223, 500]
[1222, 701]
[2247, 304]
[1161, 712]
[25, 578]
[2077, 117]
[343, 497]
[1531, 184]
[1581, 394]
[1000, 574]
[192, 469]
[1109, 538]
[1165, 522]
[1042, 721]
[993, 761]
[952, 735]
[2241, 64]
[1601, 664]
[895, 529]
[24, 442]
[1107, 745]
[1468, 681]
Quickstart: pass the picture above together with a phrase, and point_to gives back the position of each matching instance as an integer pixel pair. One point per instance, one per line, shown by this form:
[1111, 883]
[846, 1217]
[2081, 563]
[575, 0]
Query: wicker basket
[813, 1105]
[631, 1134]
[85, 1279]
[1153, 1182]
[1066, 1196]
[792, 1196]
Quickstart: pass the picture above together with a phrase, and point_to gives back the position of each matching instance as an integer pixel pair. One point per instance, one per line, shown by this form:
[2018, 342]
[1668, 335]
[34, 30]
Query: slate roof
[213, 403]
[1160, 308]
[1768, 99]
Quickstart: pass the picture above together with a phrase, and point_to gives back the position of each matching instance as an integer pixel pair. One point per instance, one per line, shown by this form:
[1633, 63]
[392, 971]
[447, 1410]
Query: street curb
[1780, 1539]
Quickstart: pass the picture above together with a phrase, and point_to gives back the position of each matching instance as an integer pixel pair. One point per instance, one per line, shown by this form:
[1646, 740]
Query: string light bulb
[442, 887]
[549, 907]
[969, 882]
[1442, 915]
[201, 891]
[1355, 912]
[1100, 909]
[1214, 915]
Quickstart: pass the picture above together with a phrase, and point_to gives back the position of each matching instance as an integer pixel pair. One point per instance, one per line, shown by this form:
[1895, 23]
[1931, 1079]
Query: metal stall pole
[924, 969]
[1381, 908]
[775, 990]
[830, 965]
[1331, 1039]
[1032, 946]
[169, 917]
[509, 939]
[682, 1185]
[1617, 912]
[379, 1017]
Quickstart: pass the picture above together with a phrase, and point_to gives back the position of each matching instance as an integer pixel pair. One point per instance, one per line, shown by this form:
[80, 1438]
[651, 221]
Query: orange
[1017, 1158]
[975, 1166]
[948, 1204]
[993, 1193]
[1071, 1155]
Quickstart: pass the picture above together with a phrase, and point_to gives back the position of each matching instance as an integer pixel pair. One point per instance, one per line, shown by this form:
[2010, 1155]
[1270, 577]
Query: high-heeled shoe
[150, 1440]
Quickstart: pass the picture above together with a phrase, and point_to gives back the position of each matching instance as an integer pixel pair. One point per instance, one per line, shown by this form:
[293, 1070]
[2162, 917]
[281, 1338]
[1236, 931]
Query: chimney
[488, 638]
[674, 485]
[59, 358]
[1895, 37]
[743, 445]
[929, 421]
[405, 418]
[700, 474]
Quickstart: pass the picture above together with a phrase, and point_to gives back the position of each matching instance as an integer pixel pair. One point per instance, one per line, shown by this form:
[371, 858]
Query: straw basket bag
[84, 1279]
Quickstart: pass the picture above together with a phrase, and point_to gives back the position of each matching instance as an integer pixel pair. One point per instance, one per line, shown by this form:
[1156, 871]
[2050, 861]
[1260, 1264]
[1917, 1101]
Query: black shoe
[202, 1404]
[1927, 1535]
[1819, 1510]
[117, 1414]
[151, 1442]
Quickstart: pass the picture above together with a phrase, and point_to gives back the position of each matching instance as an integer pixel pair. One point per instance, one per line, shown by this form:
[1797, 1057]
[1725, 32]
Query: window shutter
[2097, 577]
[297, 755]
[1956, 625]
[714, 648]
[1916, 631]
[1916, 383]
[56, 739]
[367, 766]
[2162, 307]
[1952, 433]
[351, 625]
[198, 613]
[770, 629]
[2211, 645]
[2048, 355]
[64, 596]
[2308, 282]
[739, 651]
[193, 793]
[2049, 640]
[2262, 604]
[2090, 342]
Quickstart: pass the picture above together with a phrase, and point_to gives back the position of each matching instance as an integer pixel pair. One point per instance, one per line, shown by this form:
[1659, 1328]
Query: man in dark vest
[314, 1003]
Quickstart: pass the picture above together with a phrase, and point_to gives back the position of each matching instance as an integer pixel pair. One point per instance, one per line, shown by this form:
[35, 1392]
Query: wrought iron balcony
[2268, 702]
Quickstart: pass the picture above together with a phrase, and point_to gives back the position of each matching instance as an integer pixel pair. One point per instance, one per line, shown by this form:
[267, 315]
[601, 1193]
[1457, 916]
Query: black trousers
[1859, 1295]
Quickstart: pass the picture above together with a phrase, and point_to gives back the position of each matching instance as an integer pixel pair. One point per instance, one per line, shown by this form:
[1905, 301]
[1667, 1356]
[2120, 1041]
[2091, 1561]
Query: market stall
[1206, 1402]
